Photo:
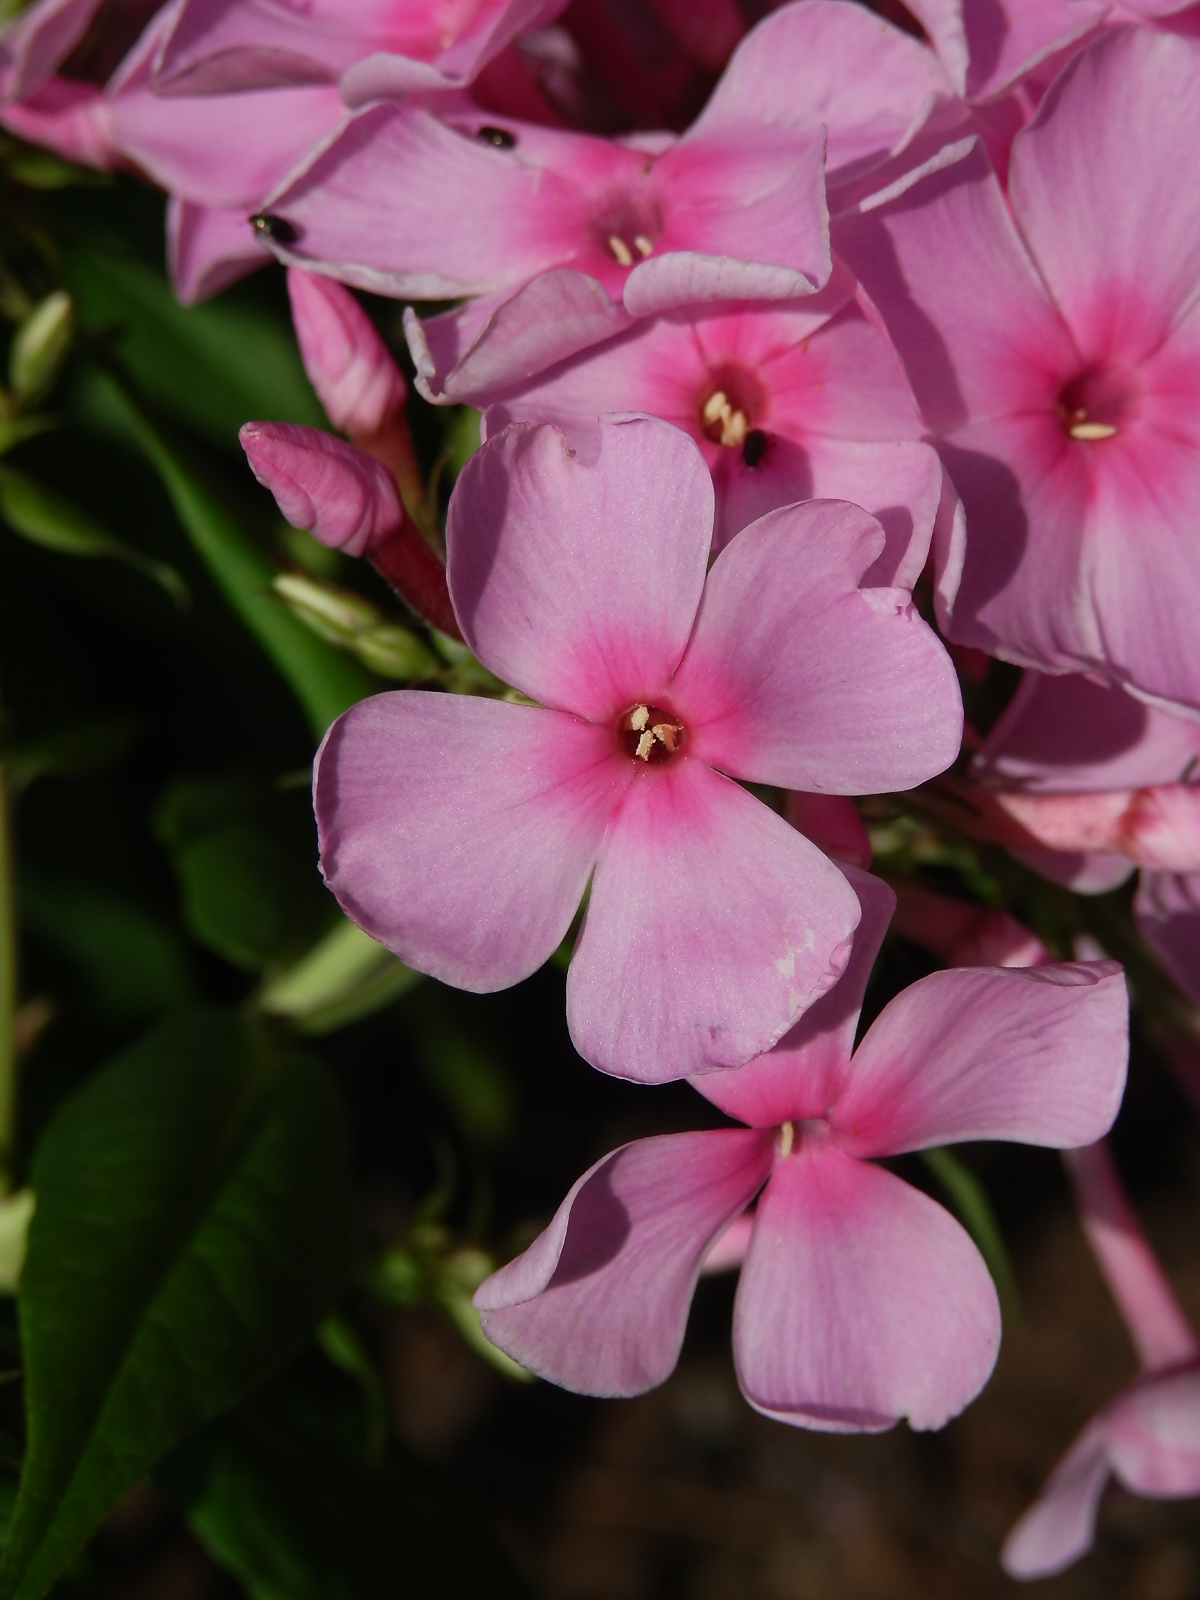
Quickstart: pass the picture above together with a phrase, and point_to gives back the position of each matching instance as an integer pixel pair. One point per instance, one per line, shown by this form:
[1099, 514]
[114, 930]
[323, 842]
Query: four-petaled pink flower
[1055, 350]
[861, 1300]
[463, 832]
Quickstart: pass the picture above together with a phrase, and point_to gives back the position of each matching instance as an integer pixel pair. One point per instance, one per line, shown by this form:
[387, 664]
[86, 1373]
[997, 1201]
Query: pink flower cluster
[766, 327]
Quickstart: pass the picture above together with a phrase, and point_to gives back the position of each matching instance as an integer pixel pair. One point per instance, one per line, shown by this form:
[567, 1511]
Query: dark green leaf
[284, 1496]
[76, 750]
[212, 366]
[324, 680]
[245, 855]
[191, 1229]
[969, 1200]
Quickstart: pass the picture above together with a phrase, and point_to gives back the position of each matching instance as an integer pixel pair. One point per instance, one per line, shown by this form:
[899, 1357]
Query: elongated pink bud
[1156, 827]
[964, 935]
[1153, 1315]
[332, 489]
[72, 119]
[352, 370]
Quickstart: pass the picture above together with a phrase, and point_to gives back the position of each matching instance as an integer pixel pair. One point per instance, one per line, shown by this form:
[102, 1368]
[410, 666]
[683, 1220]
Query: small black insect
[755, 447]
[277, 228]
[498, 138]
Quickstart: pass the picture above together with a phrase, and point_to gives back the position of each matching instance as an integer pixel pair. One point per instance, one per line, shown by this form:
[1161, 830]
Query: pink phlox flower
[375, 48]
[568, 236]
[1148, 1438]
[88, 37]
[787, 402]
[861, 1300]
[1099, 784]
[1055, 350]
[463, 832]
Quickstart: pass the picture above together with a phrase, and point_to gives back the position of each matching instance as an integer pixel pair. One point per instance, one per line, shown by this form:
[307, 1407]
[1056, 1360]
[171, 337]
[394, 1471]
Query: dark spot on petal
[498, 138]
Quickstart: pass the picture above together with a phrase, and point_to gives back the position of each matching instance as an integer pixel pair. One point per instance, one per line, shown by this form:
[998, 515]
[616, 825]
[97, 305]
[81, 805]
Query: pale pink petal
[712, 925]
[832, 822]
[403, 204]
[1060, 1525]
[1033, 1054]
[479, 351]
[1009, 37]
[338, 493]
[578, 583]
[72, 119]
[729, 1251]
[826, 63]
[599, 1301]
[1167, 910]
[942, 262]
[348, 364]
[1094, 872]
[388, 75]
[35, 44]
[1094, 183]
[1154, 1435]
[1070, 734]
[861, 1301]
[800, 1077]
[461, 832]
[209, 248]
[796, 677]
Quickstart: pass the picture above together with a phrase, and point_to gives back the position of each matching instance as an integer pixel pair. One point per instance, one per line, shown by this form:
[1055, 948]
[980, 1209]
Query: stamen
[1091, 430]
[667, 733]
[620, 250]
[638, 718]
[734, 428]
[715, 406]
[648, 733]
[787, 1137]
[724, 423]
[644, 245]
[644, 746]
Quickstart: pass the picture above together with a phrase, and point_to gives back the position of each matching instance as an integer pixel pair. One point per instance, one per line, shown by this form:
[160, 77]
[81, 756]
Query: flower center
[648, 733]
[1093, 406]
[627, 226]
[729, 406]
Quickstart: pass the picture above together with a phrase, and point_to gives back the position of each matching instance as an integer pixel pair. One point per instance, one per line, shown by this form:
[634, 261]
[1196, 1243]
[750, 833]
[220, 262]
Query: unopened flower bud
[394, 652]
[40, 345]
[833, 824]
[336, 614]
[335, 491]
[348, 364]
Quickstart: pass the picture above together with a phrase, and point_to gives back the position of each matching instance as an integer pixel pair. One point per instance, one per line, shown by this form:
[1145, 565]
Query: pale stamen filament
[1080, 426]
[642, 245]
[620, 250]
[787, 1137]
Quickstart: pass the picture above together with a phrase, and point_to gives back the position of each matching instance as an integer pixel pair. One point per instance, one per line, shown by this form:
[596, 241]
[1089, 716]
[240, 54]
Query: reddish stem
[417, 576]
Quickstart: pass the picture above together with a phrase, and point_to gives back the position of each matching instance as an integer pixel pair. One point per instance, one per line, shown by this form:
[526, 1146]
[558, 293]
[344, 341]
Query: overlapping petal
[599, 1301]
[461, 832]
[711, 926]
[869, 701]
[1035, 1054]
[578, 583]
[861, 1301]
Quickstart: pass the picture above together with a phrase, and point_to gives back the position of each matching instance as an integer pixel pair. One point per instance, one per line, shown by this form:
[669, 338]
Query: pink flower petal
[35, 44]
[801, 1076]
[72, 119]
[209, 248]
[1060, 1525]
[1008, 38]
[1154, 1435]
[1070, 734]
[599, 1301]
[1094, 183]
[348, 364]
[1167, 910]
[577, 583]
[942, 261]
[461, 832]
[1034, 1054]
[861, 1301]
[796, 677]
[832, 64]
[712, 926]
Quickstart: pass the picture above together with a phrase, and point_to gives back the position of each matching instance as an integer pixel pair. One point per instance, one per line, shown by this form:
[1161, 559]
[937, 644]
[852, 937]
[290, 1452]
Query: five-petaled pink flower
[462, 832]
[1055, 350]
[861, 1300]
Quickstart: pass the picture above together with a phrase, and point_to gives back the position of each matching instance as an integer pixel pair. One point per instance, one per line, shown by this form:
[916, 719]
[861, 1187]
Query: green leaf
[969, 1200]
[44, 518]
[323, 679]
[76, 750]
[245, 855]
[212, 366]
[191, 1229]
[284, 1497]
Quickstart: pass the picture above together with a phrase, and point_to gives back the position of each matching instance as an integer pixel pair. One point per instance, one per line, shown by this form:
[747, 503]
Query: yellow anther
[715, 406]
[667, 733]
[622, 252]
[787, 1137]
[1091, 430]
[642, 244]
[644, 746]
[734, 428]
[638, 718]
